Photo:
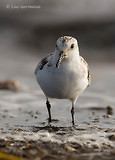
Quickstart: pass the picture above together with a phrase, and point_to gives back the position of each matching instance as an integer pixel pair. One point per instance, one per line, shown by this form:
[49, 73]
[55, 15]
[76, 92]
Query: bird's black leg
[48, 107]
[72, 114]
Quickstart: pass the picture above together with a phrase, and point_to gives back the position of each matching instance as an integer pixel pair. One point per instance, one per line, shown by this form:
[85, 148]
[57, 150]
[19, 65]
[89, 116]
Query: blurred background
[30, 28]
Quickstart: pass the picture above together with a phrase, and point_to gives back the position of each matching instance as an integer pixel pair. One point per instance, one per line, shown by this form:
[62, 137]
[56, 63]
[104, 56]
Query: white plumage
[63, 74]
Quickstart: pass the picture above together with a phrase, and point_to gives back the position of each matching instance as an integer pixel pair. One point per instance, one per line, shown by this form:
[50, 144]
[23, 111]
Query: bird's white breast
[66, 82]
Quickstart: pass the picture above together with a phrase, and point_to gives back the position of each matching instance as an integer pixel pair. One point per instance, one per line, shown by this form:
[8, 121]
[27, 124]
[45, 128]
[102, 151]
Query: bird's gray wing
[88, 73]
[43, 62]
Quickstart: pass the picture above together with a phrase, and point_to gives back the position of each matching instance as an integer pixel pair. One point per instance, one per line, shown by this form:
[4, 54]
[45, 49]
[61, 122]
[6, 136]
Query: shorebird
[63, 74]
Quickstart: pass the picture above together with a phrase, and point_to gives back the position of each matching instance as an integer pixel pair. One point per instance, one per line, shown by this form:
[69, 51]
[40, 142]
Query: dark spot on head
[72, 45]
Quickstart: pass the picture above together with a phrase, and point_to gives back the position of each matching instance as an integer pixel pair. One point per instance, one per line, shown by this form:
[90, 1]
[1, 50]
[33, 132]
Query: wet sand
[25, 131]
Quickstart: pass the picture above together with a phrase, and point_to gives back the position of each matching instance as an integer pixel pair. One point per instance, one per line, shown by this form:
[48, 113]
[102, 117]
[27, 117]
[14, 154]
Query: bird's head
[66, 48]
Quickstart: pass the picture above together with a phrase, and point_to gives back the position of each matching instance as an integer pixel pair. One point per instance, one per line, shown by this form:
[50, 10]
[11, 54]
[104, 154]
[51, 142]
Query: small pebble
[109, 110]
[69, 148]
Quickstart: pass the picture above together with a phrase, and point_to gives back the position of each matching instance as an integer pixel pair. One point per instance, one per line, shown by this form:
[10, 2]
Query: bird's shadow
[53, 128]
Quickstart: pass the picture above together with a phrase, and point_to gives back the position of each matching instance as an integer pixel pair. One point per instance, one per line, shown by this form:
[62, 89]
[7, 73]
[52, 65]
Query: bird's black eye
[72, 46]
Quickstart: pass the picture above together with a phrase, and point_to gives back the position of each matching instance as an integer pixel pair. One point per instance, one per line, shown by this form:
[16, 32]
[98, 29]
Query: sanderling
[63, 74]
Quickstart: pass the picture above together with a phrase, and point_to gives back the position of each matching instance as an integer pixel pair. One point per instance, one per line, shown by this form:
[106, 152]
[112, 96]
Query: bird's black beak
[61, 57]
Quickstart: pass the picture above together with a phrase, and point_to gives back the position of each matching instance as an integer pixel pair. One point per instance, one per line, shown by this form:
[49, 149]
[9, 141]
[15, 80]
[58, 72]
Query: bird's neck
[74, 58]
